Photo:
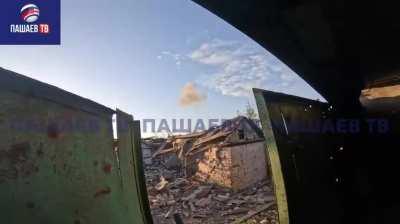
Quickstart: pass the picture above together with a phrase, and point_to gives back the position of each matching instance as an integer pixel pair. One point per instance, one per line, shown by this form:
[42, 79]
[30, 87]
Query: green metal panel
[129, 174]
[57, 159]
[140, 175]
[274, 159]
[50, 174]
[301, 163]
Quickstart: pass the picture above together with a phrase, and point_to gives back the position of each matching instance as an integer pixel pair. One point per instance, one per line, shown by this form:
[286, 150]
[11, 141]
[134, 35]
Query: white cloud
[176, 57]
[240, 67]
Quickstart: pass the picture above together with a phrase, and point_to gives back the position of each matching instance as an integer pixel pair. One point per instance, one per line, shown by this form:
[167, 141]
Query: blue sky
[154, 59]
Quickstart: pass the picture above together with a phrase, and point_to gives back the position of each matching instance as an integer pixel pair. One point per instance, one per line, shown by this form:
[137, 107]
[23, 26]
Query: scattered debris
[252, 214]
[216, 176]
[195, 201]
[163, 183]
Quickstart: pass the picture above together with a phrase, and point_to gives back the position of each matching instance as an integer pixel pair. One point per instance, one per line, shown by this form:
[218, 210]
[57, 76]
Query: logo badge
[30, 13]
[30, 22]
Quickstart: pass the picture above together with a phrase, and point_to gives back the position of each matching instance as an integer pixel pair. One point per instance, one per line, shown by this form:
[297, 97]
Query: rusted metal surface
[57, 160]
[301, 165]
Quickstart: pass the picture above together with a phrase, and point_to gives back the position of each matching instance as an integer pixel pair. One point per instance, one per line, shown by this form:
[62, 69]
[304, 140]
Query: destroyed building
[149, 145]
[231, 155]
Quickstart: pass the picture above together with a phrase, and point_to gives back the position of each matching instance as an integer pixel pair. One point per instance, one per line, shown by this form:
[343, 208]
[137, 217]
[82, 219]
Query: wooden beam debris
[248, 216]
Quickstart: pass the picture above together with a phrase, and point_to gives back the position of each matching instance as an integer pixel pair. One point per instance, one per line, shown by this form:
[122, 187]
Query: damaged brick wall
[249, 164]
[236, 167]
[215, 166]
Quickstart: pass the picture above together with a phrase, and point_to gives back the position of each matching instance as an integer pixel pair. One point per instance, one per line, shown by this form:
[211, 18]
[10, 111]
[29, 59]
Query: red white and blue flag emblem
[30, 13]
[30, 22]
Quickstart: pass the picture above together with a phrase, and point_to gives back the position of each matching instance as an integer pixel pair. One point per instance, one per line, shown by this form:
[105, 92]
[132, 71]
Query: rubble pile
[198, 202]
[231, 155]
[215, 176]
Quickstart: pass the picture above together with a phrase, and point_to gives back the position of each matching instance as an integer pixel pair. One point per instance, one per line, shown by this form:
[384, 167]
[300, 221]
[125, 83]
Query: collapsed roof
[239, 130]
